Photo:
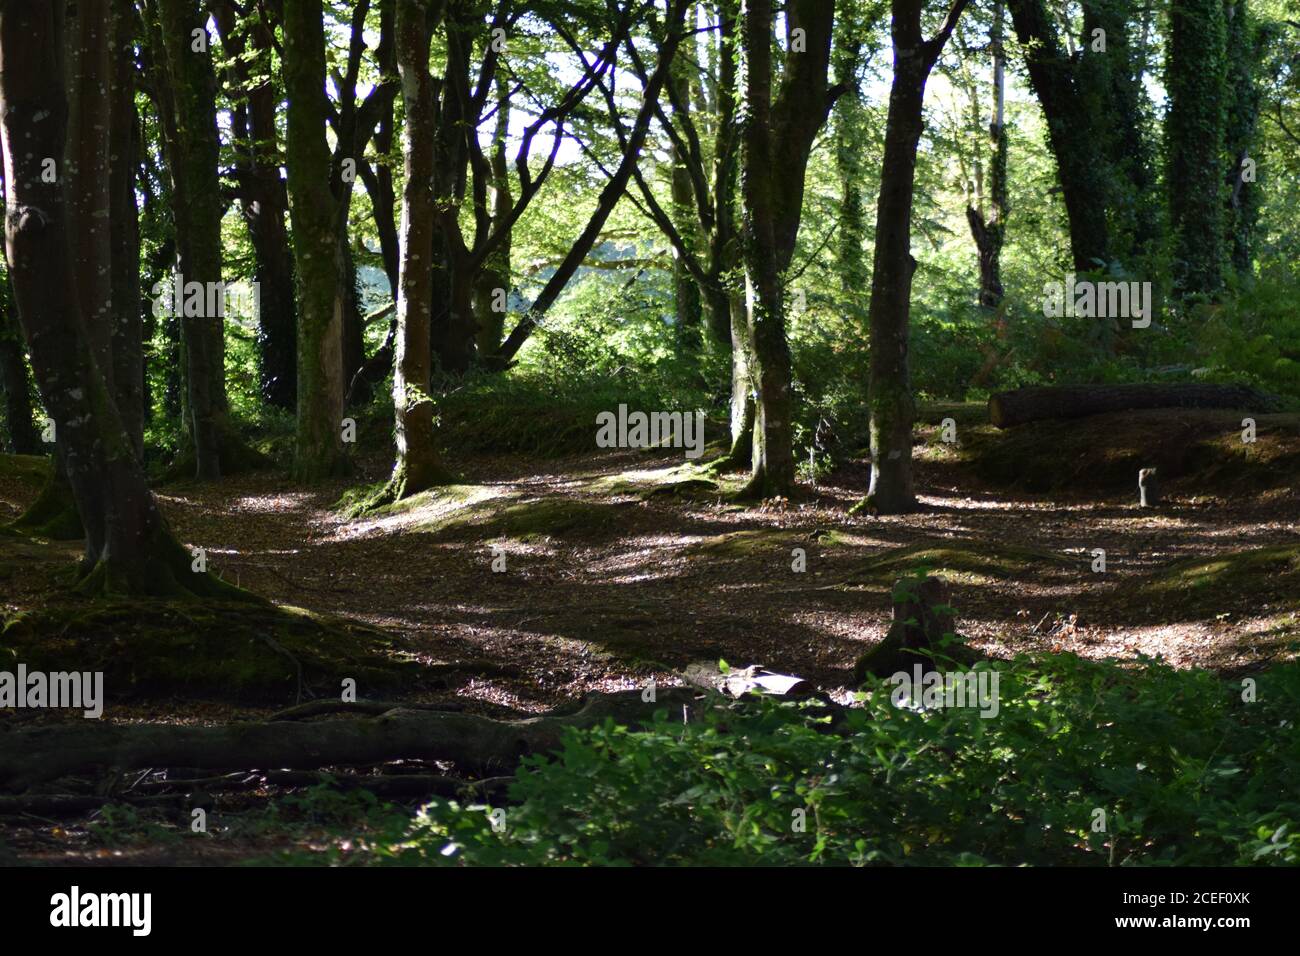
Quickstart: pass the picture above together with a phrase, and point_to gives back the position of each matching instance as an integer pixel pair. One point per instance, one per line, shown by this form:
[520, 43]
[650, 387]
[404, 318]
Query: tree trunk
[687, 305]
[1007, 409]
[313, 210]
[1074, 144]
[742, 389]
[989, 229]
[124, 230]
[1242, 210]
[84, 170]
[24, 438]
[128, 547]
[1196, 80]
[197, 212]
[889, 394]
[776, 142]
[379, 178]
[417, 466]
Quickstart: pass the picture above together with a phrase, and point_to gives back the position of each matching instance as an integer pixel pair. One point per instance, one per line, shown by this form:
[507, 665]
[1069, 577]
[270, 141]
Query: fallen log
[1036, 403]
[471, 742]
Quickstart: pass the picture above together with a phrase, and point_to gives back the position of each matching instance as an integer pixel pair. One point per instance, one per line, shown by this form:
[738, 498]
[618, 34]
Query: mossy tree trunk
[128, 546]
[776, 140]
[417, 466]
[687, 304]
[742, 387]
[889, 395]
[319, 448]
[1110, 84]
[197, 212]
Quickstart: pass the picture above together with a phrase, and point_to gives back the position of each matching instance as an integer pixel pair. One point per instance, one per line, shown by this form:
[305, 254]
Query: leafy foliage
[1185, 772]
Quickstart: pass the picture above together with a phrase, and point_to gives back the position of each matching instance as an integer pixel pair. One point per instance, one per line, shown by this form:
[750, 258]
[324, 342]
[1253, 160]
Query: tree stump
[921, 619]
[1148, 488]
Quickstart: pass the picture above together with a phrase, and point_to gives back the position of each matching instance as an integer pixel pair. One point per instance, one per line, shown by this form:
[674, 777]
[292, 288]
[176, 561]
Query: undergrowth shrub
[1184, 771]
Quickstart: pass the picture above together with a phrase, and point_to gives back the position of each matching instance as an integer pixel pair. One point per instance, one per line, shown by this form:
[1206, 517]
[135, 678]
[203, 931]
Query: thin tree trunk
[742, 388]
[313, 211]
[889, 394]
[989, 228]
[493, 282]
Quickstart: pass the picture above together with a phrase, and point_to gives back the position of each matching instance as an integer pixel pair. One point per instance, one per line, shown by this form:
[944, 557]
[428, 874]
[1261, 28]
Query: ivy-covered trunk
[1196, 75]
[1244, 52]
[1110, 84]
[318, 451]
[197, 211]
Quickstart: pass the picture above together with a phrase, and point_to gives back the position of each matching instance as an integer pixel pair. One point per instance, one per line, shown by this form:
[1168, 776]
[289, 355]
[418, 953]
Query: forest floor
[625, 567]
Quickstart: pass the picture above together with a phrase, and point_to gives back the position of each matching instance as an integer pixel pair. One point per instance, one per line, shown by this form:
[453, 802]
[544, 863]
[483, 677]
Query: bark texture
[318, 452]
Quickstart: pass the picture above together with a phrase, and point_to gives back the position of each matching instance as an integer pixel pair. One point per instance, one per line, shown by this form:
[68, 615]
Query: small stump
[921, 619]
[1148, 488]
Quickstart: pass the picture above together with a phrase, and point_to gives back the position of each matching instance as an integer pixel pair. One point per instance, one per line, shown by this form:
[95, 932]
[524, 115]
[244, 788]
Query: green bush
[1185, 772]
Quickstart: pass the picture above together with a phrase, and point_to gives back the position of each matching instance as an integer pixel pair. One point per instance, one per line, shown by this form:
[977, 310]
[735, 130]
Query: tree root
[53, 514]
